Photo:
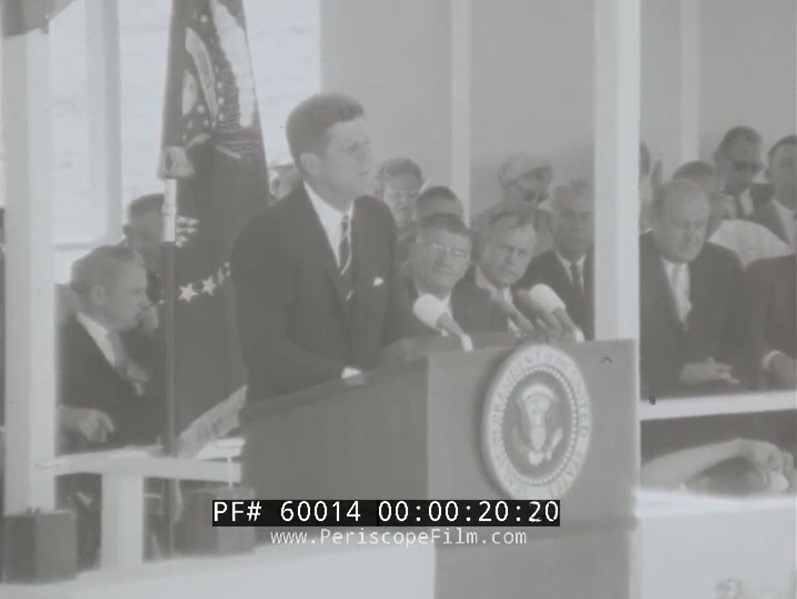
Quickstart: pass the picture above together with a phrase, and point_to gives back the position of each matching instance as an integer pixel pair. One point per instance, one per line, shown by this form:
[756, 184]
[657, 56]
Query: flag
[213, 150]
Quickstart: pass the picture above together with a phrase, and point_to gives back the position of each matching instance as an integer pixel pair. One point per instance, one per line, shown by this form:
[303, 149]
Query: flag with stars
[213, 148]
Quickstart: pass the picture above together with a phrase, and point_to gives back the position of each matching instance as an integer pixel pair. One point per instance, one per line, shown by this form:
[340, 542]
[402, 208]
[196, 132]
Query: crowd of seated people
[717, 293]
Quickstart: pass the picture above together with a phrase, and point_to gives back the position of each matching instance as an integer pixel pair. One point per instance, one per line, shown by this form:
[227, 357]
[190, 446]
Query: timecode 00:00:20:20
[432, 512]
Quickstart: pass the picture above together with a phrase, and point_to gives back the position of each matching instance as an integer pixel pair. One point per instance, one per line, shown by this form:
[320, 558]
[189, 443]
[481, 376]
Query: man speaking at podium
[315, 277]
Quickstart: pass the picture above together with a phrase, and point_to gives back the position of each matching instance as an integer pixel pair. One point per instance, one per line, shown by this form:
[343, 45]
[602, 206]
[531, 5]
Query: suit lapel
[666, 295]
[318, 241]
[93, 353]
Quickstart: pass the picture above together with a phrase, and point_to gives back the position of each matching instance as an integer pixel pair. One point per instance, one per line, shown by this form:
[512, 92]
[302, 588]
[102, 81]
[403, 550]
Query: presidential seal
[537, 423]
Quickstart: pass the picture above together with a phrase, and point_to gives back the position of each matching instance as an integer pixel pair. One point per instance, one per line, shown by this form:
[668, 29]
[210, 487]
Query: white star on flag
[187, 293]
[208, 285]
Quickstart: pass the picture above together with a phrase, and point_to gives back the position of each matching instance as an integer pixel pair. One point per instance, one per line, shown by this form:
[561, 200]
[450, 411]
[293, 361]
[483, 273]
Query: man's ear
[310, 163]
[98, 295]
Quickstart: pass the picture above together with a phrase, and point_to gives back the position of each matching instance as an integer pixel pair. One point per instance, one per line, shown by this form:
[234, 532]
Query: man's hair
[789, 140]
[575, 188]
[734, 133]
[435, 192]
[144, 204]
[309, 123]
[696, 171]
[663, 193]
[395, 167]
[101, 266]
[513, 219]
[443, 222]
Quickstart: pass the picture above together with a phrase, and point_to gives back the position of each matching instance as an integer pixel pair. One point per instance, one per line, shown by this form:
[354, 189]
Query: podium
[417, 428]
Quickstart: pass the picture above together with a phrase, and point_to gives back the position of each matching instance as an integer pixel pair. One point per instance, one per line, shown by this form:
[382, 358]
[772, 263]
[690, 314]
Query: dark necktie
[345, 258]
[575, 276]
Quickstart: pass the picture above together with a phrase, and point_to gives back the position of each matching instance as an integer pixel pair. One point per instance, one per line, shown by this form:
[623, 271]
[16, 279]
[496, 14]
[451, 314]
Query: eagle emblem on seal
[537, 423]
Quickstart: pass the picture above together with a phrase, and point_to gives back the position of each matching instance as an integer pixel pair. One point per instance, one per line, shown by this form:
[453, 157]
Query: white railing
[715, 405]
[123, 474]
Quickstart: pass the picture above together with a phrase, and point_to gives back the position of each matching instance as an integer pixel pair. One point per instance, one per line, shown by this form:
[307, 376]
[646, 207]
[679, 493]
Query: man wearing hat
[525, 182]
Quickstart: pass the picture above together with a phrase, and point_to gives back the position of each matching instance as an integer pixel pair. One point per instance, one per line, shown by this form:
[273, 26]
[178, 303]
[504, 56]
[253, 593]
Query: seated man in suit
[689, 290]
[506, 246]
[399, 183]
[778, 214]
[438, 260]
[316, 276]
[567, 268]
[108, 395]
[748, 240]
[437, 199]
[771, 318]
[738, 162]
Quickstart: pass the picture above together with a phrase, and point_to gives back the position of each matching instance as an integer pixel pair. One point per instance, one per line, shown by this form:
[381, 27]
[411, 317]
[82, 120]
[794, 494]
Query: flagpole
[176, 40]
[169, 299]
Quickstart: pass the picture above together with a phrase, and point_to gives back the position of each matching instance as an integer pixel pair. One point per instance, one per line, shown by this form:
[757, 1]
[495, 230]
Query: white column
[689, 106]
[30, 355]
[460, 100]
[122, 544]
[617, 116]
[617, 99]
[105, 129]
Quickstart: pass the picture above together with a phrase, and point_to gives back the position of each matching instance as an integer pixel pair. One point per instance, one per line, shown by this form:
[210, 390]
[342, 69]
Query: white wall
[749, 68]
[532, 78]
[395, 58]
[532, 87]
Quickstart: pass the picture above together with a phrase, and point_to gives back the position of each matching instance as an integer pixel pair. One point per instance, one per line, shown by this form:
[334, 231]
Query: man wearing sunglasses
[738, 161]
[778, 214]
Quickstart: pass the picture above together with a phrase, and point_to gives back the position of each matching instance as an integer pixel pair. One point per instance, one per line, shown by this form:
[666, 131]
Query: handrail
[146, 462]
[717, 405]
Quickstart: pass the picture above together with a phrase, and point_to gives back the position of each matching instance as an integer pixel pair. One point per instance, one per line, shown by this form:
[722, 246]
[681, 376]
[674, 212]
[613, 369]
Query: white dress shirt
[331, 220]
[678, 278]
[484, 283]
[789, 223]
[749, 241]
[101, 336]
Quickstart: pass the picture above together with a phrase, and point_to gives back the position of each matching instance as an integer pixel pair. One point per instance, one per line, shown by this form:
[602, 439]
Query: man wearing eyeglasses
[738, 161]
[778, 214]
[439, 258]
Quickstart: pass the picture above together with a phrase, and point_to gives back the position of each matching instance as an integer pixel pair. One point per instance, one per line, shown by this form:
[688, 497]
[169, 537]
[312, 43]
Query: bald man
[690, 334]
[567, 268]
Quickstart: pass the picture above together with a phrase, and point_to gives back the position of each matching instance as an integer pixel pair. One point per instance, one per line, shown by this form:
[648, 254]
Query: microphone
[543, 300]
[520, 321]
[434, 314]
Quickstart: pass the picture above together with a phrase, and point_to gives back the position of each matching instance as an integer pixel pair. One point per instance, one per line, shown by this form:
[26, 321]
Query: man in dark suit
[690, 331]
[316, 279]
[108, 395]
[771, 318]
[738, 162]
[144, 233]
[568, 267]
[438, 260]
[505, 248]
[778, 213]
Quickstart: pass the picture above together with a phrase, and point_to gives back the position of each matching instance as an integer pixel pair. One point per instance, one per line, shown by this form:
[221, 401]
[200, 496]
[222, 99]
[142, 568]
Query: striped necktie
[346, 257]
